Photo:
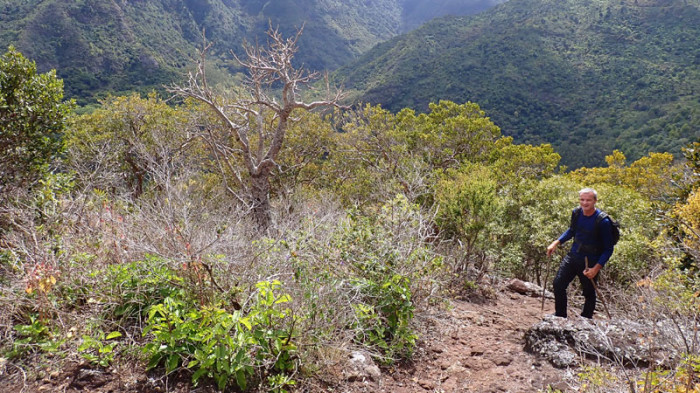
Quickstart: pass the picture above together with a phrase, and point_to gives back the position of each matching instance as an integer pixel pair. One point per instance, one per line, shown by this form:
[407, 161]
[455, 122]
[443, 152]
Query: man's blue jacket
[584, 234]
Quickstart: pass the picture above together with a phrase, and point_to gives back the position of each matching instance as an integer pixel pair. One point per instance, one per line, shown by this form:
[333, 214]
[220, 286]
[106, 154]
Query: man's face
[587, 202]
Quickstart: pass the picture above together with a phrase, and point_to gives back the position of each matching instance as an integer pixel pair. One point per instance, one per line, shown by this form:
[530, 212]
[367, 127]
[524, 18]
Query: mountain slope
[587, 76]
[417, 12]
[117, 46]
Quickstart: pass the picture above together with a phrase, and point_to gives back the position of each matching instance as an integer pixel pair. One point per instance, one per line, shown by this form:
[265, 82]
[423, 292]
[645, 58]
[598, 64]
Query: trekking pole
[602, 299]
[544, 282]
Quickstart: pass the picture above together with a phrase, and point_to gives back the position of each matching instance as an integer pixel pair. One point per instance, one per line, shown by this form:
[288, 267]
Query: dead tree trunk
[255, 118]
[260, 195]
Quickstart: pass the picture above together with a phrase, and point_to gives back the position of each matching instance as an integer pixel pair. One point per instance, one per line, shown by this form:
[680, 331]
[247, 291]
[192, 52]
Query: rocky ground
[475, 346]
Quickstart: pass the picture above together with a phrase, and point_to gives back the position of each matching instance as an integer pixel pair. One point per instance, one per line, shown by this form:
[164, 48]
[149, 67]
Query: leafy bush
[133, 288]
[470, 212]
[635, 254]
[684, 379]
[221, 345]
[384, 317]
[385, 309]
[33, 337]
[32, 119]
[97, 350]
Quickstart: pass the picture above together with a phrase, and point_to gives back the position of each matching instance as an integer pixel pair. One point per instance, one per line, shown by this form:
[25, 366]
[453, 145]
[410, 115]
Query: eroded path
[475, 348]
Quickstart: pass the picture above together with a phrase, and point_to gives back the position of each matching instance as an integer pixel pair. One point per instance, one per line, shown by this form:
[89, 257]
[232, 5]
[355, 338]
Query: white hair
[589, 190]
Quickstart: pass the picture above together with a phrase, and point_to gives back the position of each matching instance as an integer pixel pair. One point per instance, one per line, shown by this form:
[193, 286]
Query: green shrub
[379, 273]
[132, 288]
[224, 346]
[99, 350]
[33, 337]
[383, 318]
[684, 379]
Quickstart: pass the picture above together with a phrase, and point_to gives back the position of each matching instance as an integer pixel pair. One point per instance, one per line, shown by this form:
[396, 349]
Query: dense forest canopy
[116, 47]
[586, 76]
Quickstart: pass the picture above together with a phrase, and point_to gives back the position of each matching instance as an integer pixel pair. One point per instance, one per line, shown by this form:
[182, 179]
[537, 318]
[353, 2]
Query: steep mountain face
[118, 46]
[588, 76]
[104, 46]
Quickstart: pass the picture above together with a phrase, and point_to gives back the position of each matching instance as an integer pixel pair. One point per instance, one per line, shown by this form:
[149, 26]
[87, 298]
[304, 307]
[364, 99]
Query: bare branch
[259, 118]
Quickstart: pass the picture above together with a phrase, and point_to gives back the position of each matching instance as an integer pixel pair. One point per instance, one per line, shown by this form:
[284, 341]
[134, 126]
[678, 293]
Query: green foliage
[675, 291]
[683, 379]
[537, 213]
[124, 145]
[32, 120]
[570, 75]
[33, 337]
[595, 379]
[637, 247]
[687, 214]
[370, 158]
[692, 156]
[99, 350]
[152, 43]
[470, 210]
[383, 275]
[133, 288]
[385, 323]
[518, 163]
[380, 154]
[651, 176]
[449, 134]
[224, 346]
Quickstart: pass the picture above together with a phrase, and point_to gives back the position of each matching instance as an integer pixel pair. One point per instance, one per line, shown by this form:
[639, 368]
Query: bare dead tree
[256, 118]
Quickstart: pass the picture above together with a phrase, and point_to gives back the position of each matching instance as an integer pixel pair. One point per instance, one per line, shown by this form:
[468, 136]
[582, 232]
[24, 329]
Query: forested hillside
[586, 76]
[101, 47]
[233, 240]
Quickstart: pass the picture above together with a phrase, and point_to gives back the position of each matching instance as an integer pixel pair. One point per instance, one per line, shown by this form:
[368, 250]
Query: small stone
[501, 360]
[427, 384]
[477, 351]
[455, 369]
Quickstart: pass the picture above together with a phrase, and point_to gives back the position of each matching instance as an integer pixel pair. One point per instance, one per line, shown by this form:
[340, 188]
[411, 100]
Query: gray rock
[565, 341]
[527, 288]
[361, 368]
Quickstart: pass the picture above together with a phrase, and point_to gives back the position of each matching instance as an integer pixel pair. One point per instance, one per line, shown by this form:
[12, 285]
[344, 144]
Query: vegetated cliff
[101, 47]
[585, 76]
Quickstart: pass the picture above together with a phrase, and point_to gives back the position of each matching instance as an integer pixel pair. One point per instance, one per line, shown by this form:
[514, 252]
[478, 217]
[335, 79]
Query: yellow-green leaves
[32, 120]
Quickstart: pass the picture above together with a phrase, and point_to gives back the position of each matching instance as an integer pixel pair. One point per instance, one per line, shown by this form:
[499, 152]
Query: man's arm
[552, 247]
[606, 237]
[568, 234]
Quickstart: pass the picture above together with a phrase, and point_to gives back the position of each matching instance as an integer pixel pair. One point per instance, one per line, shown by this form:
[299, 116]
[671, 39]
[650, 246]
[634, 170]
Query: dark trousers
[571, 267]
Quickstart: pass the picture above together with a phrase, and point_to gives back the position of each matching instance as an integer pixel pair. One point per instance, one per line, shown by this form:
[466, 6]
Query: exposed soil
[476, 346]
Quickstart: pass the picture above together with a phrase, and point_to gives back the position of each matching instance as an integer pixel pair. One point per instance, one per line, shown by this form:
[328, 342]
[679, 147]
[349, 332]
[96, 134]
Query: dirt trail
[475, 348]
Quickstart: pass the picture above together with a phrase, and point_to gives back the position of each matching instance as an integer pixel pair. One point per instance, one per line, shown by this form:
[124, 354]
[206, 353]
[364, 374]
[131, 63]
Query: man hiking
[593, 242]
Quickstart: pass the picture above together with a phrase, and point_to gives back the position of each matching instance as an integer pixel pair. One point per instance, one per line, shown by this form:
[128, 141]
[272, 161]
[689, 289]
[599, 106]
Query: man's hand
[591, 272]
[552, 247]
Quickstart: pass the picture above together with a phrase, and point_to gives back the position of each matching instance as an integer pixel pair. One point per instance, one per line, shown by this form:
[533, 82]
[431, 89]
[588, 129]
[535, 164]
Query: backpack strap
[574, 217]
[601, 216]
